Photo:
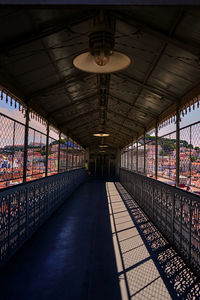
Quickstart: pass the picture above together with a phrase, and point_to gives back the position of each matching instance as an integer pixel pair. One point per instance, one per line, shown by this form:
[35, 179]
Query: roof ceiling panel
[37, 52]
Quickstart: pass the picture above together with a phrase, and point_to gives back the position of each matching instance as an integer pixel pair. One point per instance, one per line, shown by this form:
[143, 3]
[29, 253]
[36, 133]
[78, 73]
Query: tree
[192, 158]
[162, 153]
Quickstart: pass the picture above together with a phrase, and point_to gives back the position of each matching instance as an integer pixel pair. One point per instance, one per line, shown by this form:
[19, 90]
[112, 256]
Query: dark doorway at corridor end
[103, 166]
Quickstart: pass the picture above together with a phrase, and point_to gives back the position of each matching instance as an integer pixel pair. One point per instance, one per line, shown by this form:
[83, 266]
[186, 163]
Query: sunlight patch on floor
[138, 275]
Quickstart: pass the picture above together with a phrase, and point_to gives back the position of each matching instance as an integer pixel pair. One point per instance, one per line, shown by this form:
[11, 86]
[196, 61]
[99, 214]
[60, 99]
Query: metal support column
[177, 145]
[144, 152]
[47, 150]
[137, 155]
[156, 152]
[59, 152]
[26, 144]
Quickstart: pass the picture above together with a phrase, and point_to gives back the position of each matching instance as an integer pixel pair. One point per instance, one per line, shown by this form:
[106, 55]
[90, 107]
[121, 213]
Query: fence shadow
[150, 268]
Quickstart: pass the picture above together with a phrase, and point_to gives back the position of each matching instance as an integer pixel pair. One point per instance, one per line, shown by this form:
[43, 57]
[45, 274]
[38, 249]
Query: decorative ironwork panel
[176, 212]
[25, 207]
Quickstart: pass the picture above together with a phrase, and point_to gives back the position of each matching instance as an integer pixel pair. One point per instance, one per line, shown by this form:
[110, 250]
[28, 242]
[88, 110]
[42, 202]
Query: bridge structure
[129, 227]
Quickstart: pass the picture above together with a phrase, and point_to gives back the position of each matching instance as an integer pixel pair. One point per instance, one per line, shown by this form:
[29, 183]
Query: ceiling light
[102, 63]
[101, 58]
[103, 146]
[101, 134]
[102, 151]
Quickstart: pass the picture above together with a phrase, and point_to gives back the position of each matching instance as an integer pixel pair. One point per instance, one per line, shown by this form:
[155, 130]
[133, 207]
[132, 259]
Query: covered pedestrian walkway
[108, 87]
[98, 245]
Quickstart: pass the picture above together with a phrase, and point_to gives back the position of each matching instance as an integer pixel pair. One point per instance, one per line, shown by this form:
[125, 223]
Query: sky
[6, 128]
[190, 118]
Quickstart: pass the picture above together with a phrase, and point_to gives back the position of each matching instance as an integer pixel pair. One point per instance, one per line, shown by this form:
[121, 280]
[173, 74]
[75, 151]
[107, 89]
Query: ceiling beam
[119, 124]
[134, 106]
[64, 107]
[138, 124]
[109, 140]
[90, 132]
[45, 30]
[157, 91]
[133, 21]
[88, 113]
[61, 84]
[83, 124]
[91, 125]
[108, 127]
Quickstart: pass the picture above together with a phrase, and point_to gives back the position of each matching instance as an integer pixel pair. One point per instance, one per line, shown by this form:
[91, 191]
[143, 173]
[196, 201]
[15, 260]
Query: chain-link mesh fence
[133, 157]
[190, 157]
[53, 156]
[11, 151]
[63, 153]
[12, 139]
[167, 156]
[36, 154]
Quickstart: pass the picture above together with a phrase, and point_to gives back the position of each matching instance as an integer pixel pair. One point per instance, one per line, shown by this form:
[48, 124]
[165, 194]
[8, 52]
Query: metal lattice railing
[174, 211]
[25, 207]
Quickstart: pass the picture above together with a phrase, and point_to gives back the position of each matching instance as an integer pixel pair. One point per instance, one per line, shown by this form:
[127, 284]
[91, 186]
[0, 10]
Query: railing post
[190, 231]
[13, 148]
[128, 154]
[190, 155]
[67, 154]
[132, 156]
[144, 152]
[72, 154]
[26, 144]
[59, 152]
[137, 155]
[27, 212]
[177, 145]
[47, 150]
[156, 152]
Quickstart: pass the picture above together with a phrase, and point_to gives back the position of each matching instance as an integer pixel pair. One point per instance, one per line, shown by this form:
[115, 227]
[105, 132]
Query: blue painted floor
[99, 245]
[70, 257]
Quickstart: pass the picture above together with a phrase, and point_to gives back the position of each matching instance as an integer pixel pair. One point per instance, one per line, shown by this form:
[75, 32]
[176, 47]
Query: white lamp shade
[86, 62]
[101, 134]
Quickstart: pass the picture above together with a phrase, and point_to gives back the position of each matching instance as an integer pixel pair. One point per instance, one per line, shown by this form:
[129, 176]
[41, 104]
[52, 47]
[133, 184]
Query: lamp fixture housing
[101, 58]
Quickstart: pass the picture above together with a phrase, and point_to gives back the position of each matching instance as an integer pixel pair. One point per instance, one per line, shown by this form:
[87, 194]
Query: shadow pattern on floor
[179, 280]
